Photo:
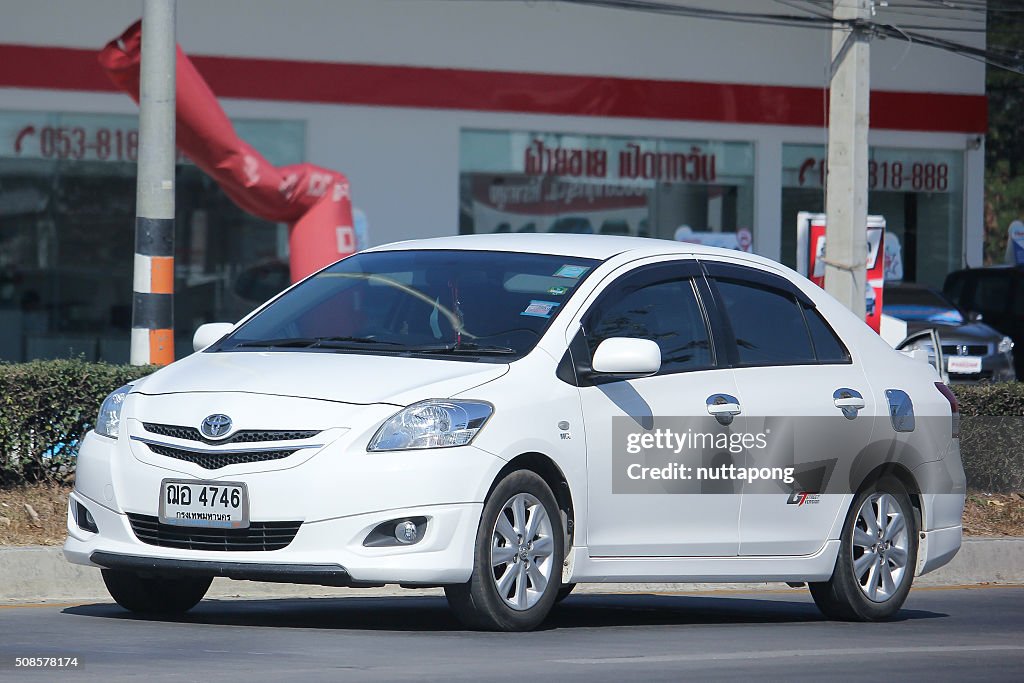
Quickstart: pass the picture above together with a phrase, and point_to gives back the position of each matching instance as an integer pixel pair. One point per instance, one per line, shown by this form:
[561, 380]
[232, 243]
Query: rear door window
[827, 346]
[767, 323]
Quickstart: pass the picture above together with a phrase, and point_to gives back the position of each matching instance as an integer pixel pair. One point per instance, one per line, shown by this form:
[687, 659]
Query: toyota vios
[509, 415]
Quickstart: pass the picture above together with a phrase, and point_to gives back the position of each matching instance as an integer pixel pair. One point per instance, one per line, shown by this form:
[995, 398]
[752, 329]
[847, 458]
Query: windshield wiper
[278, 343]
[469, 348]
[332, 342]
[312, 342]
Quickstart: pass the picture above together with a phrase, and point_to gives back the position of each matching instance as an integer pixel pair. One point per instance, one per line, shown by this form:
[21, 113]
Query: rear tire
[517, 559]
[155, 595]
[877, 556]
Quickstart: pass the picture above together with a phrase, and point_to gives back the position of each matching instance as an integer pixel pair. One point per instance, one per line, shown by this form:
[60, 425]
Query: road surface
[942, 634]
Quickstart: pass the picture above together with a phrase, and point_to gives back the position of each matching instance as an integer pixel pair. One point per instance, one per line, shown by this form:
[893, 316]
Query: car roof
[601, 247]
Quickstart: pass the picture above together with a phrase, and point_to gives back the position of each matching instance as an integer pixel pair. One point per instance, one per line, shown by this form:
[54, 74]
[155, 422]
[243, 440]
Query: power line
[996, 56]
[824, 10]
[792, 20]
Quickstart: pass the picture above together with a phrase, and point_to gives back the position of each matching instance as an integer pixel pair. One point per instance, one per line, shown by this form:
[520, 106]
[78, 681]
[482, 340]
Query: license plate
[967, 365]
[216, 504]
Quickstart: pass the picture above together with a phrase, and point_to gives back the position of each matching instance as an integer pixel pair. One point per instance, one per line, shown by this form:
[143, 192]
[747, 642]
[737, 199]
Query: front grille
[213, 461]
[242, 436]
[971, 349]
[259, 535]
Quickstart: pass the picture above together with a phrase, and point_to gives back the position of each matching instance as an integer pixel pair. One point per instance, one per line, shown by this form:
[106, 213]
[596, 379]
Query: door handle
[723, 407]
[849, 401]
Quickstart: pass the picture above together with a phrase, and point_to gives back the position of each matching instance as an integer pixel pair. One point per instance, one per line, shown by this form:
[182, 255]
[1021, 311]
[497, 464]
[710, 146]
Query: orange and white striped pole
[153, 283]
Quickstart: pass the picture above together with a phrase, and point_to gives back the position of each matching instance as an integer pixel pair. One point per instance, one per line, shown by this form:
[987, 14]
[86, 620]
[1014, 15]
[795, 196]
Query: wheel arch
[546, 468]
[904, 476]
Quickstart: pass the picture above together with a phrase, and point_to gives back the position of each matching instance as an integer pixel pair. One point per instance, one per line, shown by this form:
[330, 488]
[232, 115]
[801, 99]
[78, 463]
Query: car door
[799, 387]
[630, 516]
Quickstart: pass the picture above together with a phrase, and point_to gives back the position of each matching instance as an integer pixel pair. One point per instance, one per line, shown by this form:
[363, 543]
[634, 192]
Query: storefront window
[67, 215]
[919, 192]
[548, 182]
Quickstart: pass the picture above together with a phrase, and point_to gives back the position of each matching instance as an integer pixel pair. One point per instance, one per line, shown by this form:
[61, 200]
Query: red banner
[314, 200]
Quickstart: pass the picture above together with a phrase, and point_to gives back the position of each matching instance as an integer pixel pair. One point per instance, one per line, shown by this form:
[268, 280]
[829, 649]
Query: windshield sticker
[571, 271]
[557, 291]
[540, 309]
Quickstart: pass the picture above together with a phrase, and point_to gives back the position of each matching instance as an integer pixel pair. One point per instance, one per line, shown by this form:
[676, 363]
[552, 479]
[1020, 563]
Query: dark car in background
[973, 350]
[997, 295]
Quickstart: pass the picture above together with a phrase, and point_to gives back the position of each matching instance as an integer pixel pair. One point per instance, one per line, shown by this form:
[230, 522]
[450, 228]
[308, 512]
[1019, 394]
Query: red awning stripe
[23, 66]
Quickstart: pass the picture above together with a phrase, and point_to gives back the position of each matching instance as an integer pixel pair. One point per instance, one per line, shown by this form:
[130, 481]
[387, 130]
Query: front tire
[877, 556]
[517, 559]
[155, 595]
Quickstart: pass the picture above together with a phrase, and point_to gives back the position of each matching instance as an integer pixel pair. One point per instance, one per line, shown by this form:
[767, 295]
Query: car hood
[348, 378]
[968, 332]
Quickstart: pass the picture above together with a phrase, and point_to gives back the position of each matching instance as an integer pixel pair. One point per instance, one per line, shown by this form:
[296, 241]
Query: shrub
[45, 409]
[992, 435]
[47, 406]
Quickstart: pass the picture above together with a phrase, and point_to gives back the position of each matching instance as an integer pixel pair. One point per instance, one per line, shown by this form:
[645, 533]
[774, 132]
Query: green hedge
[49, 405]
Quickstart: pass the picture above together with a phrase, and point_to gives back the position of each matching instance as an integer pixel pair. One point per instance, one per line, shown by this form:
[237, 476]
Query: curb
[40, 573]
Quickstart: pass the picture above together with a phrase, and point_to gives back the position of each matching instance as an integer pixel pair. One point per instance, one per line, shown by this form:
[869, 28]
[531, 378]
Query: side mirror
[208, 334]
[627, 356]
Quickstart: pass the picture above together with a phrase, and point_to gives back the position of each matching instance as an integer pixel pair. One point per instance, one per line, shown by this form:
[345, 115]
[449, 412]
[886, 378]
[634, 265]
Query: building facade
[456, 117]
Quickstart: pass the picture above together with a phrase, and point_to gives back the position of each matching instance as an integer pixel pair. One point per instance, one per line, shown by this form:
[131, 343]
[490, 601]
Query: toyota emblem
[216, 426]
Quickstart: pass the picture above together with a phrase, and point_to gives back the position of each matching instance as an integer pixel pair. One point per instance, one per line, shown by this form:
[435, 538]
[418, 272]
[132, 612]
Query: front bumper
[995, 367]
[318, 574]
[339, 494]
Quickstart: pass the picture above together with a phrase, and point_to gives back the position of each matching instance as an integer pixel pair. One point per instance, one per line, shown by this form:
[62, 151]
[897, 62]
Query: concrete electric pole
[153, 300]
[846, 192]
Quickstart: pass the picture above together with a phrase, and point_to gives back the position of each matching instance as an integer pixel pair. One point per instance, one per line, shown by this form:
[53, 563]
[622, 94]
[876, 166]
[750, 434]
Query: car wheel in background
[877, 556]
[155, 595]
[517, 559]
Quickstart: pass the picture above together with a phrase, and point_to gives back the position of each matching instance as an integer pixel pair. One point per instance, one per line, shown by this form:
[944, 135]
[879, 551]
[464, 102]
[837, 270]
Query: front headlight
[434, 423]
[109, 419]
[1005, 345]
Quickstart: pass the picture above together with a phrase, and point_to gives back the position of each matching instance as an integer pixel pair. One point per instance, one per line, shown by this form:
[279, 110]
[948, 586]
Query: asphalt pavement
[941, 634]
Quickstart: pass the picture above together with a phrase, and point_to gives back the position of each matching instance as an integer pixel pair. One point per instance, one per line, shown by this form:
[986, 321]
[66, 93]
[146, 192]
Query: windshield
[919, 303]
[472, 305]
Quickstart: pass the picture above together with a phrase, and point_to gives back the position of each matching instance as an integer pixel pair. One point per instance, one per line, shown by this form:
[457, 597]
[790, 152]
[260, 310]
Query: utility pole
[153, 283]
[846, 192]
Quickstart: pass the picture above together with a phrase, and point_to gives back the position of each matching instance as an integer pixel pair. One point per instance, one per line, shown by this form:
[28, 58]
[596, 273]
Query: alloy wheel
[880, 543]
[522, 549]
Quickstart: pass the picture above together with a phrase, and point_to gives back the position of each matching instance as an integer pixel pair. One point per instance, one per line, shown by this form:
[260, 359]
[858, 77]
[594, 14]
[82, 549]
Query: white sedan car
[509, 415]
